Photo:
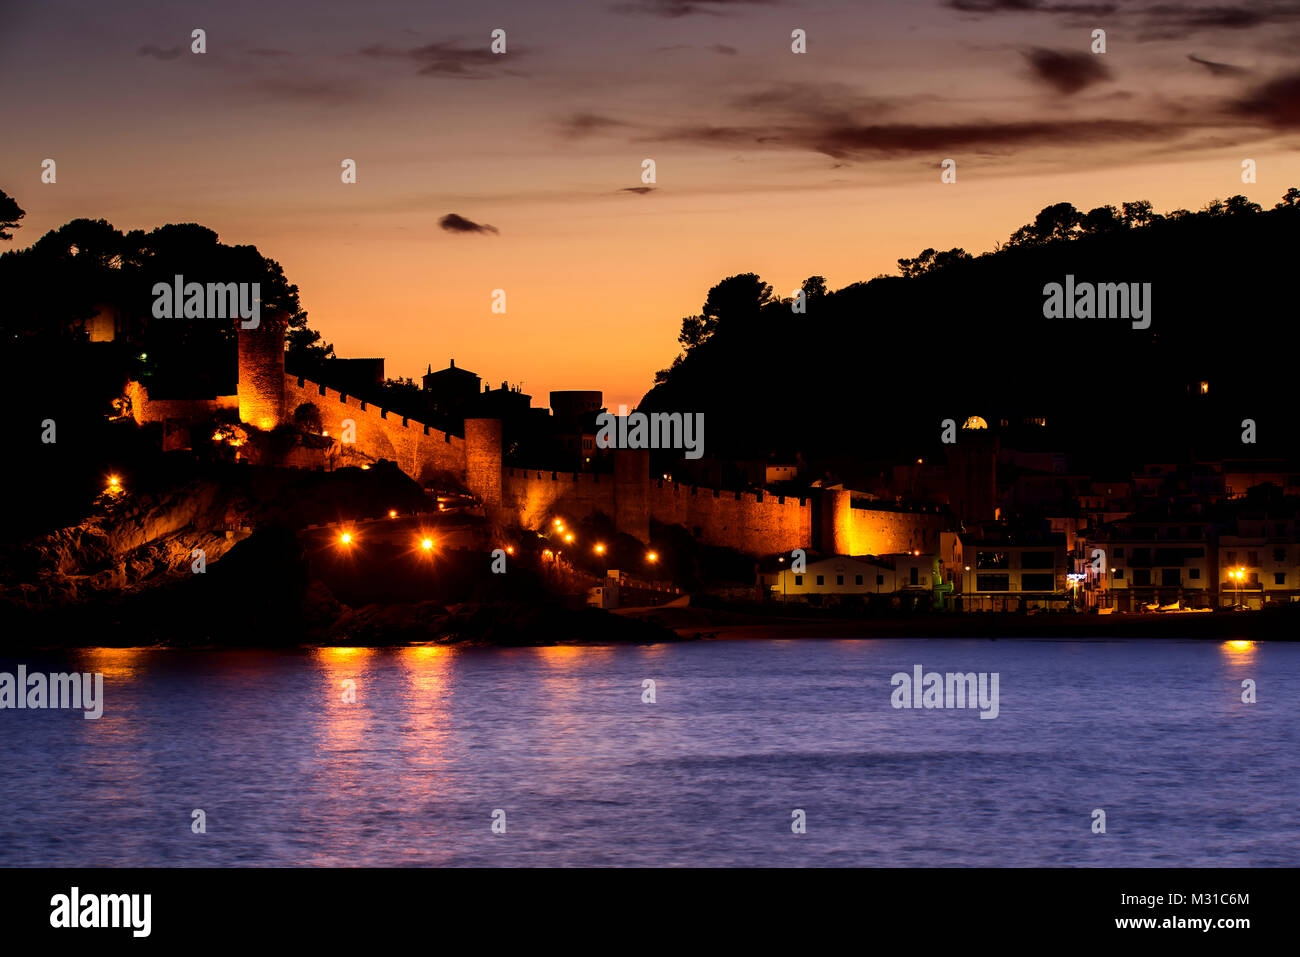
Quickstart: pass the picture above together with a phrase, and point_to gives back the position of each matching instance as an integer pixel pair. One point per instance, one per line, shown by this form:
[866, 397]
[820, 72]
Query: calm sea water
[741, 734]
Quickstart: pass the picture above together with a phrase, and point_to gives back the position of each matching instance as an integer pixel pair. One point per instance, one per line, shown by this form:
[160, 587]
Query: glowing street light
[427, 544]
[569, 537]
[346, 538]
[600, 549]
[652, 556]
[392, 513]
[510, 549]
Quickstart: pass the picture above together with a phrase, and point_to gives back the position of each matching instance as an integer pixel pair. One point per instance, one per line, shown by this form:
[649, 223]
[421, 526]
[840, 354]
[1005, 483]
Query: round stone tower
[261, 371]
[483, 460]
[835, 522]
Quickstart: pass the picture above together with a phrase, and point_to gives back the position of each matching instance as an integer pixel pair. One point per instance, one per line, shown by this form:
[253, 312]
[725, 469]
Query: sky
[786, 164]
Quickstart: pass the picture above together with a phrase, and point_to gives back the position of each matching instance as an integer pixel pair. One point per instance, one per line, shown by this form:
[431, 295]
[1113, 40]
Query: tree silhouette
[10, 214]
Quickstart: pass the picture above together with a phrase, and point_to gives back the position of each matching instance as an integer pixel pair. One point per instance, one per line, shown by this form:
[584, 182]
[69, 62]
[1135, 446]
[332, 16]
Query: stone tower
[631, 488]
[483, 460]
[261, 371]
[834, 522]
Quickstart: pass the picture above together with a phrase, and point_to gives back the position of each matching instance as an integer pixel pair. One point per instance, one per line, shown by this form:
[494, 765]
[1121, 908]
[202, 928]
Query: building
[1259, 561]
[1012, 570]
[1160, 559]
[450, 389]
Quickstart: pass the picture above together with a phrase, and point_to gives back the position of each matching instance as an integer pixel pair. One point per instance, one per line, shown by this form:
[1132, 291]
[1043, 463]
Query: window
[857, 579]
[1141, 576]
[880, 579]
[991, 560]
[1279, 554]
[798, 579]
[1279, 578]
[1119, 573]
[992, 582]
[1037, 560]
[839, 579]
[821, 579]
[1252, 558]
[1194, 573]
[1232, 558]
[911, 575]
[1038, 582]
[1171, 577]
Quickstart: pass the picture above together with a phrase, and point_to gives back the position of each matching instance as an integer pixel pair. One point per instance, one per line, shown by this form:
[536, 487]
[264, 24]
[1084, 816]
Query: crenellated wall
[752, 522]
[419, 450]
[872, 531]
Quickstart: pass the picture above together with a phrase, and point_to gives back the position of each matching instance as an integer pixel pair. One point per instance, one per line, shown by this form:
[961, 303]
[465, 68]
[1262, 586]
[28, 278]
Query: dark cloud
[1218, 69]
[1276, 102]
[446, 59]
[1067, 72]
[577, 125]
[1161, 21]
[454, 223]
[723, 49]
[1031, 6]
[639, 190]
[874, 141]
[1189, 18]
[673, 9]
[159, 53]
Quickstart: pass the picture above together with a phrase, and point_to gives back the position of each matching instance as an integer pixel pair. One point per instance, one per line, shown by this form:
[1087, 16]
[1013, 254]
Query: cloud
[723, 49]
[454, 223]
[1032, 6]
[577, 125]
[1159, 21]
[639, 190]
[1276, 102]
[1066, 72]
[874, 141]
[446, 59]
[1218, 69]
[159, 53]
[673, 9]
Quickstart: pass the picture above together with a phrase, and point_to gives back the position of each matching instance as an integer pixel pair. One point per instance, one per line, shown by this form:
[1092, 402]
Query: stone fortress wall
[757, 523]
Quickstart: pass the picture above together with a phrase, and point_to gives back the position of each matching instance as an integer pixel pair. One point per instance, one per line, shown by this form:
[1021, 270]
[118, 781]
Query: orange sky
[767, 161]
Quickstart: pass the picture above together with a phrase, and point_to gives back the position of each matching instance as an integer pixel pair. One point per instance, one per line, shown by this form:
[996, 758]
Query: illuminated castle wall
[752, 522]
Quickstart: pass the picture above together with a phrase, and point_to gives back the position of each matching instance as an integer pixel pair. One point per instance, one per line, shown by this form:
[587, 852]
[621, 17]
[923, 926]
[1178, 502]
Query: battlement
[419, 450]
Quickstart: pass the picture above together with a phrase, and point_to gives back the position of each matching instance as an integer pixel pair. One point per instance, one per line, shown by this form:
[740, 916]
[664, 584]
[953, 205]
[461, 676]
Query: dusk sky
[767, 161]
